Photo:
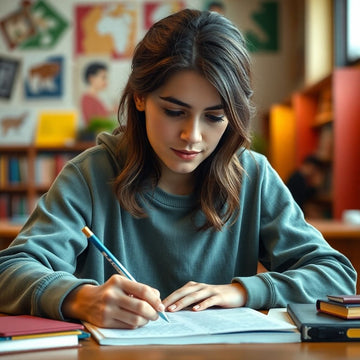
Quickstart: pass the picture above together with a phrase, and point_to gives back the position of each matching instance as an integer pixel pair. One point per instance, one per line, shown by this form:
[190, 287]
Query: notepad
[239, 325]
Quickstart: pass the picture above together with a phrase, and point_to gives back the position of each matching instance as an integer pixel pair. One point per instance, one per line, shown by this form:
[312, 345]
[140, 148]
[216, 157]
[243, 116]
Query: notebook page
[212, 321]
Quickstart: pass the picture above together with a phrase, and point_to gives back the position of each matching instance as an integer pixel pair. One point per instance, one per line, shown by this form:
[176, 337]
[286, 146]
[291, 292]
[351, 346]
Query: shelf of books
[26, 172]
[322, 120]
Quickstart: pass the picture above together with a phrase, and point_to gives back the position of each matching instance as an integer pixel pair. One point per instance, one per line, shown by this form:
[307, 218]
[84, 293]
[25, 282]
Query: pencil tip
[163, 315]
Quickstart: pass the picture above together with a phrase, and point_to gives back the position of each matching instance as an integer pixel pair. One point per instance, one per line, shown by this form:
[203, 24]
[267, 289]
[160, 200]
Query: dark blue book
[315, 326]
[14, 170]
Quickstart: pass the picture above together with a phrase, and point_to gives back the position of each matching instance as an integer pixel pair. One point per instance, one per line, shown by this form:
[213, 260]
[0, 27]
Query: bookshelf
[26, 172]
[322, 119]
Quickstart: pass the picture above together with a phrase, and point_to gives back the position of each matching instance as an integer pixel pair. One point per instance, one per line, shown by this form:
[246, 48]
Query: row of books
[47, 166]
[14, 207]
[14, 170]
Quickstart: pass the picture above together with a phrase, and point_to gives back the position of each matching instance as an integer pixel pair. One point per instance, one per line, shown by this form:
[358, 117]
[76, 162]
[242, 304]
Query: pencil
[113, 260]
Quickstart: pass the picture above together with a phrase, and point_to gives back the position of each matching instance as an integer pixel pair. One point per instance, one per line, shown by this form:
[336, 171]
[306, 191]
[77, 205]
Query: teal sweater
[51, 256]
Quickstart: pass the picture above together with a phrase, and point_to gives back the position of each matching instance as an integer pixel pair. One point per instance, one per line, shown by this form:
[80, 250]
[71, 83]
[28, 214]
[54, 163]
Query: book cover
[28, 325]
[315, 326]
[26, 333]
[347, 299]
[343, 310]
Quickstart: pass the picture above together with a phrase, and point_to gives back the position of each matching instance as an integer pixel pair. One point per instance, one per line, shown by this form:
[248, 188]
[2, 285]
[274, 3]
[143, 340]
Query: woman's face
[98, 81]
[185, 120]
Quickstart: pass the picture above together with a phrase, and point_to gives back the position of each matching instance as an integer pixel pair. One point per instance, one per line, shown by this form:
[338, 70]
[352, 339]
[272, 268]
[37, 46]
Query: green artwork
[266, 20]
[49, 27]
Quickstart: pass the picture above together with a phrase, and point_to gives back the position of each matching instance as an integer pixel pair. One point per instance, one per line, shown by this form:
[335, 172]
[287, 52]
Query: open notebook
[240, 325]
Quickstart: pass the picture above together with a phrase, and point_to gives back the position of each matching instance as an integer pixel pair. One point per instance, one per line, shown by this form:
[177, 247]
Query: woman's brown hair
[211, 45]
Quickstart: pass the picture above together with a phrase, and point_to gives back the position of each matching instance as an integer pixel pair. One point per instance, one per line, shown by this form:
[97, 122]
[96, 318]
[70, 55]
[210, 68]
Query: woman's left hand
[202, 296]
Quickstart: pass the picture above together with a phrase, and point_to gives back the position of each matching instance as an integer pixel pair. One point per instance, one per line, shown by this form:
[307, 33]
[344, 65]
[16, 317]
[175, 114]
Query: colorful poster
[56, 128]
[50, 25]
[264, 34]
[154, 11]
[17, 27]
[17, 126]
[44, 77]
[8, 71]
[36, 26]
[106, 29]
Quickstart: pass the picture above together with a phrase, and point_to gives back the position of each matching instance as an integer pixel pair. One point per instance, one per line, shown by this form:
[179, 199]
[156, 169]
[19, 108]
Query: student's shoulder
[250, 159]
[101, 155]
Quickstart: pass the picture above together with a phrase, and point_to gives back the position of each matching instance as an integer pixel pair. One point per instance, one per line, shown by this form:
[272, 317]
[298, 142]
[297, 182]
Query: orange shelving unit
[323, 119]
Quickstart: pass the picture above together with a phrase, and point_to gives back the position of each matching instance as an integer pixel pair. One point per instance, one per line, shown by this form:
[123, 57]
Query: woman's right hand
[118, 303]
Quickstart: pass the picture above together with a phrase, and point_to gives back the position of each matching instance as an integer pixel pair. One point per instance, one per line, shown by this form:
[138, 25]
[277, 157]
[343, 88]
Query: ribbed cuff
[52, 292]
[258, 291]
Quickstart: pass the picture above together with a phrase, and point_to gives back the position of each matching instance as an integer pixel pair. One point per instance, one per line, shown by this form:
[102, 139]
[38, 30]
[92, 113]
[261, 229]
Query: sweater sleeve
[38, 270]
[302, 265]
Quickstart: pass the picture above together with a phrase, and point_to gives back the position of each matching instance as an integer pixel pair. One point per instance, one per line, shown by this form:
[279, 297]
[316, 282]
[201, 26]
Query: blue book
[315, 326]
[14, 170]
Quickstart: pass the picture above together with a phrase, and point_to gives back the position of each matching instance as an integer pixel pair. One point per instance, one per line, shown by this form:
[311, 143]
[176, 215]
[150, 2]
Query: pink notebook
[27, 325]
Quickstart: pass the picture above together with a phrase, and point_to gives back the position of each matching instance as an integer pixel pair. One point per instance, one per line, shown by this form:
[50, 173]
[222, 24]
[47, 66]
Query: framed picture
[17, 27]
[106, 29]
[8, 71]
[17, 126]
[43, 77]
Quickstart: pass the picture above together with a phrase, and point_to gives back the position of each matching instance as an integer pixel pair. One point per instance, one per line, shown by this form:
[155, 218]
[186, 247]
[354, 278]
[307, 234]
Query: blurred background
[63, 65]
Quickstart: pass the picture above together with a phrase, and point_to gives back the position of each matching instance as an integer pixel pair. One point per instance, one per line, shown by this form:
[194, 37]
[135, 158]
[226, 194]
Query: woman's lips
[185, 154]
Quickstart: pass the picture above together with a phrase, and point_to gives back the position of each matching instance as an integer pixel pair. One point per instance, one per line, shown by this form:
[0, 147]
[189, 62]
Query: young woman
[176, 195]
[91, 105]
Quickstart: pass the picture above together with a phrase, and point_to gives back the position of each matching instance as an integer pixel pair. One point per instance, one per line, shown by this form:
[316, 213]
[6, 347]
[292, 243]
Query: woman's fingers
[202, 296]
[118, 303]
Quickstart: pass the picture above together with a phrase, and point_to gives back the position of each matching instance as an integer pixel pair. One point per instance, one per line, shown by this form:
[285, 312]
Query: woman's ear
[139, 102]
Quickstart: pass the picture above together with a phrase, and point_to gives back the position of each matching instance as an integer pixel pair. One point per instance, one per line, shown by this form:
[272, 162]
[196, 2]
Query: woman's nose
[191, 131]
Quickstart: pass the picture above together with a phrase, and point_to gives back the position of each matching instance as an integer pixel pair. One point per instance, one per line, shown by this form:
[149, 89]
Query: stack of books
[318, 323]
[343, 306]
[25, 333]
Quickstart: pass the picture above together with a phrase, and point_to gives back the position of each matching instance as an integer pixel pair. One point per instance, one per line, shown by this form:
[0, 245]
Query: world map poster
[106, 29]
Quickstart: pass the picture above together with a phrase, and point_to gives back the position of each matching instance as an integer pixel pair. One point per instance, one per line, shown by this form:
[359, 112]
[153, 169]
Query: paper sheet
[212, 321]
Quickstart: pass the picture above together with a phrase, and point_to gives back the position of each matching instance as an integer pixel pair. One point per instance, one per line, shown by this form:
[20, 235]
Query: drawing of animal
[42, 77]
[13, 122]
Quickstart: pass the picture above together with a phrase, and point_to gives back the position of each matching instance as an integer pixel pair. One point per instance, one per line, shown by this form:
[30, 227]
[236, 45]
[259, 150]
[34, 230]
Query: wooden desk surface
[333, 229]
[8, 232]
[9, 229]
[90, 350]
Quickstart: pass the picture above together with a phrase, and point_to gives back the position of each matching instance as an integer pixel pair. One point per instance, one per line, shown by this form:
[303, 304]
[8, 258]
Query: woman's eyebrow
[181, 103]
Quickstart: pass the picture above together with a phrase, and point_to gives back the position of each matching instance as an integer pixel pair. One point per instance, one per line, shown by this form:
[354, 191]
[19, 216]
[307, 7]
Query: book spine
[14, 170]
[4, 206]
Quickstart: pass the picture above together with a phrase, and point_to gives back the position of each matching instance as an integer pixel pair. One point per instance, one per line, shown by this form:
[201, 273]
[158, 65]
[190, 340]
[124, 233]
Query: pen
[113, 260]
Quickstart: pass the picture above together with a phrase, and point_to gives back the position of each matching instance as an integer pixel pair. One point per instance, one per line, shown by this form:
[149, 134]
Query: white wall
[275, 74]
[318, 40]
[118, 71]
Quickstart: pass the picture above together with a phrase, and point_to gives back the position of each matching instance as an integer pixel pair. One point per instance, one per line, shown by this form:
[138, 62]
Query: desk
[8, 232]
[299, 351]
[336, 230]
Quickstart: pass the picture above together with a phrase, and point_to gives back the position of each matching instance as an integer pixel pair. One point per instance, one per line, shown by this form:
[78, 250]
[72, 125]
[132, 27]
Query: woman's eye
[215, 118]
[173, 113]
